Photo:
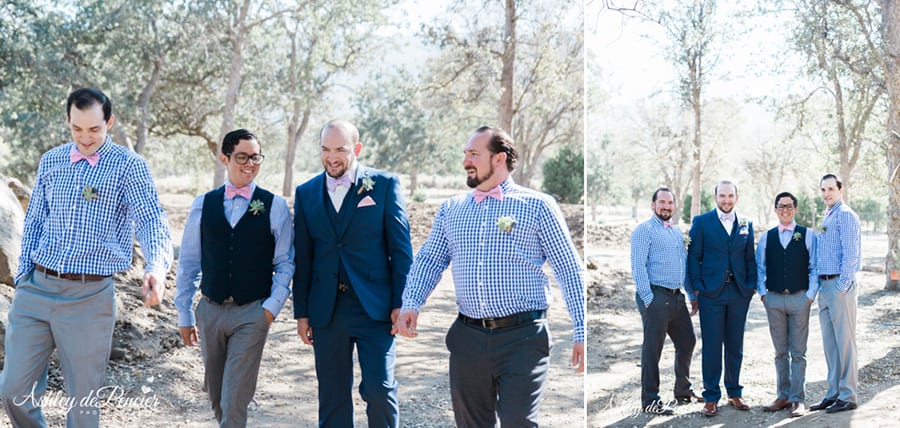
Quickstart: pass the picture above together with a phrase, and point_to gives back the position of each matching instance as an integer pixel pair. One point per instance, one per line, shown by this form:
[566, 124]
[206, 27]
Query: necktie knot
[75, 156]
[231, 192]
[495, 193]
[333, 183]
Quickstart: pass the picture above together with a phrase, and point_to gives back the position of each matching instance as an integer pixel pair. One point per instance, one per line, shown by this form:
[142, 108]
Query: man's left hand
[694, 307]
[153, 288]
[578, 357]
[395, 314]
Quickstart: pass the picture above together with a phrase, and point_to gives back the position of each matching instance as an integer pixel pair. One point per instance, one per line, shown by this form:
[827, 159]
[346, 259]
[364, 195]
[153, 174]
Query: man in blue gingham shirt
[838, 259]
[658, 265]
[497, 238]
[90, 198]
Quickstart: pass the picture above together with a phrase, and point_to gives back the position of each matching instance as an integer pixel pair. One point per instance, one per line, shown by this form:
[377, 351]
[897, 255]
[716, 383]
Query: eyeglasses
[242, 158]
[784, 207]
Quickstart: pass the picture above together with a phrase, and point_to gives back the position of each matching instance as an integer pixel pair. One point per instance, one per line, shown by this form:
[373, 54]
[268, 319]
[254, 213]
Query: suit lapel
[321, 205]
[348, 207]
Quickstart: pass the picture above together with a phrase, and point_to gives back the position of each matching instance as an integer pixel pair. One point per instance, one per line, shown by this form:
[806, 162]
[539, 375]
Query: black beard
[473, 182]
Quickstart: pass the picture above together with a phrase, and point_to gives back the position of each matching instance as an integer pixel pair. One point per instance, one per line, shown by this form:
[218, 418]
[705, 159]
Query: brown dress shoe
[710, 409]
[797, 410]
[738, 403]
[778, 404]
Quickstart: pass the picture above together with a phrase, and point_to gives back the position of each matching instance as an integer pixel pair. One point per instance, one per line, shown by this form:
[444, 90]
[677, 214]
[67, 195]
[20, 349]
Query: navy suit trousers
[722, 323]
[351, 327]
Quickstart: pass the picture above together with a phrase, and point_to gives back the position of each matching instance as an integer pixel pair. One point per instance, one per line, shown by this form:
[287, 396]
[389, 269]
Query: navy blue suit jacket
[710, 251]
[371, 242]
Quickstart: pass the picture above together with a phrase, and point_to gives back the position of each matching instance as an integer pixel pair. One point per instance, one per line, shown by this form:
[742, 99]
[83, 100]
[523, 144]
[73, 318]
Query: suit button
[340, 244]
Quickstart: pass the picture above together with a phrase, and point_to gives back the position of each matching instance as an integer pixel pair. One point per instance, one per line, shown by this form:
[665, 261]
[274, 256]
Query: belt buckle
[485, 322]
[786, 291]
[228, 301]
[342, 287]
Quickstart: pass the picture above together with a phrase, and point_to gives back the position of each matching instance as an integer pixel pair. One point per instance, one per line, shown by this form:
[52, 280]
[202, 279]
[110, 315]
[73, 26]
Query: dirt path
[166, 390]
[614, 330]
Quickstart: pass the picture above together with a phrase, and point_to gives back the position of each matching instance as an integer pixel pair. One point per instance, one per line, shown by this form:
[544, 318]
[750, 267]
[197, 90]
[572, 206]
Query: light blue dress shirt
[784, 238]
[188, 274]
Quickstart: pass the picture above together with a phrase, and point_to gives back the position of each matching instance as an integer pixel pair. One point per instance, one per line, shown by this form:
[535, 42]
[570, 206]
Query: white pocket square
[366, 202]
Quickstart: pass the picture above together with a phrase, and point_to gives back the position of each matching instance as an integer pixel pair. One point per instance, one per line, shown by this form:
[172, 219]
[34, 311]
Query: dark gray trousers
[498, 373]
[666, 315]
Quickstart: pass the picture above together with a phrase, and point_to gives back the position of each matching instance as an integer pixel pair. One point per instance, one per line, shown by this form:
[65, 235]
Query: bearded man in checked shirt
[90, 198]
[498, 238]
[658, 265]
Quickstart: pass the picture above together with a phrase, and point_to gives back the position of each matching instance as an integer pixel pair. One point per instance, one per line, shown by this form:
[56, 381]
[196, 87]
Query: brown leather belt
[504, 322]
[827, 277]
[787, 291]
[228, 301]
[83, 277]
[666, 289]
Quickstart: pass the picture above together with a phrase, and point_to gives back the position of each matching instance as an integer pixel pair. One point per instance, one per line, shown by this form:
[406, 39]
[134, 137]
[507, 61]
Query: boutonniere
[89, 193]
[796, 236]
[742, 225]
[687, 241]
[257, 207]
[506, 223]
[822, 227]
[367, 185]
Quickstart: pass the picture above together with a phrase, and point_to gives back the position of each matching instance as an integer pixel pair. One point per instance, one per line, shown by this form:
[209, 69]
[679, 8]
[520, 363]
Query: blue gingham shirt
[67, 233]
[658, 257]
[495, 273]
[188, 275]
[839, 246]
[784, 238]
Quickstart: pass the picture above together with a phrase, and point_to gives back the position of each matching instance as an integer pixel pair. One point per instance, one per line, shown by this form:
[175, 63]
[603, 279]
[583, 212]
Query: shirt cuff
[272, 305]
[186, 319]
[578, 335]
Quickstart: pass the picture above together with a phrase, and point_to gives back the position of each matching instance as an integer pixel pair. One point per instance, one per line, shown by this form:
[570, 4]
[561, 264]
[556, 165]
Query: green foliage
[600, 170]
[870, 211]
[809, 210]
[706, 203]
[564, 176]
[419, 196]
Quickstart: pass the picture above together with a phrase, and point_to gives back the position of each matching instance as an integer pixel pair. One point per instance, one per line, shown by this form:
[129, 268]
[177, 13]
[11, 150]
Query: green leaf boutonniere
[687, 241]
[257, 207]
[367, 185]
[506, 223]
[796, 236]
[742, 222]
[89, 193]
[822, 227]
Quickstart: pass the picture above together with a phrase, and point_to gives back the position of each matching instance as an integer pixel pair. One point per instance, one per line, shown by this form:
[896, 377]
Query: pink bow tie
[333, 183]
[75, 156]
[495, 193]
[782, 228]
[667, 224]
[245, 192]
[828, 211]
[727, 217]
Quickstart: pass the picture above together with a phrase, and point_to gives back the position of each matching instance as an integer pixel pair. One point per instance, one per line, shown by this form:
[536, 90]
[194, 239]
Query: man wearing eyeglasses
[238, 249]
[787, 285]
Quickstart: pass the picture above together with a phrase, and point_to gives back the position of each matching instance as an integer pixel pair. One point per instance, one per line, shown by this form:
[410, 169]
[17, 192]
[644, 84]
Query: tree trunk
[413, 178]
[120, 137]
[698, 145]
[144, 106]
[890, 29]
[236, 35]
[295, 134]
[506, 76]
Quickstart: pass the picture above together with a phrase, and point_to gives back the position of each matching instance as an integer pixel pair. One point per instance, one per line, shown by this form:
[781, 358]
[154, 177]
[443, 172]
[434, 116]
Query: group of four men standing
[347, 251]
[718, 270]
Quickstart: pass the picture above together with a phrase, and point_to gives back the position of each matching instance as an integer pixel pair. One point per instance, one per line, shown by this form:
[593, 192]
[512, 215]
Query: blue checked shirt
[68, 233]
[839, 246]
[188, 276]
[496, 273]
[784, 238]
[658, 257]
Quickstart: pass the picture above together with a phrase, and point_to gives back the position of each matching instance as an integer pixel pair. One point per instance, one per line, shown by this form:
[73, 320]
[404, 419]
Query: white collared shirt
[340, 192]
[728, 225]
